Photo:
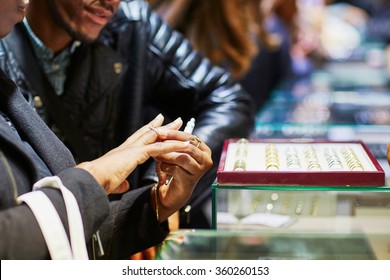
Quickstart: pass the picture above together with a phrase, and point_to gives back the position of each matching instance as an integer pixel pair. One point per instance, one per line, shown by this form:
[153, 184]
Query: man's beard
[58, 19]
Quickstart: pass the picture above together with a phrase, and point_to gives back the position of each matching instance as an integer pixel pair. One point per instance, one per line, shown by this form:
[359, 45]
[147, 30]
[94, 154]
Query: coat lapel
[32, 128]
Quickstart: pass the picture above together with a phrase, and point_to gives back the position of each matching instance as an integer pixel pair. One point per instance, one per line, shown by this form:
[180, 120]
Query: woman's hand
[112, 169]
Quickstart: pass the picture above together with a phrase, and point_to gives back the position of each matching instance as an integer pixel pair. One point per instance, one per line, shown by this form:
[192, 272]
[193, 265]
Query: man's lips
[99, 11]
[99, 15]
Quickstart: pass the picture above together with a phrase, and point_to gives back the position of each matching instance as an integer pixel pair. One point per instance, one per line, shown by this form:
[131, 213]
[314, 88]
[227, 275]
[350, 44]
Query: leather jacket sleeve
[180, 80]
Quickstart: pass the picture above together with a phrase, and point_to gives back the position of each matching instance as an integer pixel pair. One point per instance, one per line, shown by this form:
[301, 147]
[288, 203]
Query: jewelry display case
[354, 107]
[308, 201]
[274, 198]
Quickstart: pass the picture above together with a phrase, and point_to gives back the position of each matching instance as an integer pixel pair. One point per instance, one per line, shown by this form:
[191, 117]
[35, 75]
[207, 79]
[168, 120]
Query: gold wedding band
[198, 141]
[154, 129]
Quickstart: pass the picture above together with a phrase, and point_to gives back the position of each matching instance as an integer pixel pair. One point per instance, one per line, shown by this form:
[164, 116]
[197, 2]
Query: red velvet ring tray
[356, 166]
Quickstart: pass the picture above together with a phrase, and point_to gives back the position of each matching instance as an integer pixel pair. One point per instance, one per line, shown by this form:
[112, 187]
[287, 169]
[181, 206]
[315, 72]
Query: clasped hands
[178, 154]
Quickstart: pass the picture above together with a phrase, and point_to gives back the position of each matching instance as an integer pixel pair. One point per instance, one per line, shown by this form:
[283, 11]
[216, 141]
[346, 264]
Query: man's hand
[186, 166]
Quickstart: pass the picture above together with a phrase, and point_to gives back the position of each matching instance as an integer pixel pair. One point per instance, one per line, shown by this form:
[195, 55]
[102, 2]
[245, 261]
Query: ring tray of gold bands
[288, 162]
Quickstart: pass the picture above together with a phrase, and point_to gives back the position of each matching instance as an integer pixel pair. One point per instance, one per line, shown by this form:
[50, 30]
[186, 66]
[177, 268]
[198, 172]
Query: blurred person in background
[233, 35]
[298, 31]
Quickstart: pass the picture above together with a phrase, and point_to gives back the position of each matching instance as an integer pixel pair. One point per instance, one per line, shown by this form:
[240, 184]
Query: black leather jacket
[137, 63]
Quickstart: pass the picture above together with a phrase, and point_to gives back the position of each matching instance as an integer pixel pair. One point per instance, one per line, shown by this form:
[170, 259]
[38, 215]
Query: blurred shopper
[234, 36]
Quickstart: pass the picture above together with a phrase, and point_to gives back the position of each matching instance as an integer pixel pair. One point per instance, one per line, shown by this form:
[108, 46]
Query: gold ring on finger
[198, 141]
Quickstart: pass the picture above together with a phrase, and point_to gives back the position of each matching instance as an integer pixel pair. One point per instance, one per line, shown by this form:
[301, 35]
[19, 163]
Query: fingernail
[159, 116]
[177, 120]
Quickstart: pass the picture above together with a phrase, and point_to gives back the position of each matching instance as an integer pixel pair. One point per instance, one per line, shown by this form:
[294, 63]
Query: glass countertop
[269, 245]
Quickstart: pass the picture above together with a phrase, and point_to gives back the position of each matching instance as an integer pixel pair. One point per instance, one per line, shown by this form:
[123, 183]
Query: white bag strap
[50, 222]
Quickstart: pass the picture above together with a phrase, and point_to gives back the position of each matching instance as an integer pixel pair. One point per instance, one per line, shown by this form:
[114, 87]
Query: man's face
[11, 12]
[83, 19]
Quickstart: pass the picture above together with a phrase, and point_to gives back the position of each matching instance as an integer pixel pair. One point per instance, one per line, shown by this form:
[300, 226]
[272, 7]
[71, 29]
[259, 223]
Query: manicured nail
[159, 116]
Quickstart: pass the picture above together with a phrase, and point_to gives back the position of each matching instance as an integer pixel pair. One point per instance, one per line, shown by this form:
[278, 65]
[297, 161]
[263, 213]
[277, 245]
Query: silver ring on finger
[154, 129]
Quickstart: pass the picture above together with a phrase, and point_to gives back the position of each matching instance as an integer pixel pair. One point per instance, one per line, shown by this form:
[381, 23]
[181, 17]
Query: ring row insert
[297, 157]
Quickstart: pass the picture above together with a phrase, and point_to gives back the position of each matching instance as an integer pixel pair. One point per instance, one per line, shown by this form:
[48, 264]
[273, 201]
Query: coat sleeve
[132, 225]
[20, 233]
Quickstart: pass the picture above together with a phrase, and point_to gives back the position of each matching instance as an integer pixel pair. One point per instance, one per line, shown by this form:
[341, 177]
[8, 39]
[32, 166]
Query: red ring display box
[288, 162]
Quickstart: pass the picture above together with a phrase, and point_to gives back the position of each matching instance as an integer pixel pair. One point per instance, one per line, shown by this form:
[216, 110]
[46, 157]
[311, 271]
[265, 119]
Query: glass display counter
[273, 245]
[329, 107]
[308, 209]
[289, 223]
